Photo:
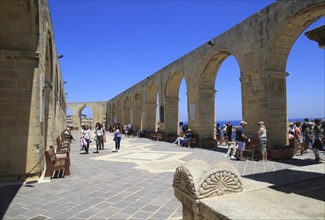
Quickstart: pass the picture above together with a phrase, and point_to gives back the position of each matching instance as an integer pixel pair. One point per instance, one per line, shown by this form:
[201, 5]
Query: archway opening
[228, 95]
[305, 83]
[183, 103]
[228, 98]
[86, 116]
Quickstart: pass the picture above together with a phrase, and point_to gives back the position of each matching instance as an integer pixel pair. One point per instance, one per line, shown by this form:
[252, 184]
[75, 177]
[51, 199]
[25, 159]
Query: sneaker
[226, 155]
[100, 152]
[233, 157]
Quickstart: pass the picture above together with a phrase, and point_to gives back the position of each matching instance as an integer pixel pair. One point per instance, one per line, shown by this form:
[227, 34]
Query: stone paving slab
[135, 183]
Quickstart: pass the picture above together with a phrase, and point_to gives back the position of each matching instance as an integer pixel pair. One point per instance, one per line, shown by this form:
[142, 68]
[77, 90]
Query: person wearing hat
[187, 137]
[183, 140]
[241, 139]
[262, 139]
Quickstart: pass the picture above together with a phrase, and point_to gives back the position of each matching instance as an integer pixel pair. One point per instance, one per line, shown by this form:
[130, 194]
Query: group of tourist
[309, 134]
[99, 137]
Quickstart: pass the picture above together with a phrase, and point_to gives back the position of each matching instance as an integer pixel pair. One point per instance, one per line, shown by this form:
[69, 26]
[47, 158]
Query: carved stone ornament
[200, 180]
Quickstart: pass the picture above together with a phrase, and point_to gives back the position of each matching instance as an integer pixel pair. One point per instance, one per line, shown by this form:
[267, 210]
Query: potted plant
[280, 152]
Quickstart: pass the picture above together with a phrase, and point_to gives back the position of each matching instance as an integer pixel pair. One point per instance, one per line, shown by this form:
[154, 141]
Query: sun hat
[243, 122]
[261, 123]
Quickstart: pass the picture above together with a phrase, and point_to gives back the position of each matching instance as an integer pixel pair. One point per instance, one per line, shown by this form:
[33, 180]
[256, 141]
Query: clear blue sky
[109, 46]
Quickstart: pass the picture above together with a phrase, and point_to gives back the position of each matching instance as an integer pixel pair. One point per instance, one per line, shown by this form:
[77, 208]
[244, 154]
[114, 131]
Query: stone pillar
[206, 114]
[149, 121]
[277, 108]
[137, 117]
[196, 180]
[264, 99]
[76, 122]
[171, 115]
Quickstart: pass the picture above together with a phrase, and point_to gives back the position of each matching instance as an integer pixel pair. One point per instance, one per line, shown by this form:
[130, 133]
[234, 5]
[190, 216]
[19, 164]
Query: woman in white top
[85, 133]
[262, 138]
[99, 137]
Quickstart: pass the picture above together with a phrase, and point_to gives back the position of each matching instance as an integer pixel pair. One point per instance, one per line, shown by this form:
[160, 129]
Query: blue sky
[109, 46]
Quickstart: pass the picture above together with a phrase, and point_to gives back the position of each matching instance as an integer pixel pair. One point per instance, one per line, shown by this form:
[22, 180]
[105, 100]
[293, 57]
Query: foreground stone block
[198, 180]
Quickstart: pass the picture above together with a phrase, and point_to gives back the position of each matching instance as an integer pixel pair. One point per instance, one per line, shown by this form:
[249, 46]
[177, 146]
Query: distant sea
[237, 122]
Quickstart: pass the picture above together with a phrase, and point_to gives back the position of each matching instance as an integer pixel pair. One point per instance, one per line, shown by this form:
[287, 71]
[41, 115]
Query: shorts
[241, 146]
[262, 146]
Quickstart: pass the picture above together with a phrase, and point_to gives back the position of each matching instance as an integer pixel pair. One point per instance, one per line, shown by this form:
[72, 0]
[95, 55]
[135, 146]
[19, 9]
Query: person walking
[99, 137]
[117, 138]
[241, 139]
[318, 142]
[262, 140]
[86, 135]
[308, 136]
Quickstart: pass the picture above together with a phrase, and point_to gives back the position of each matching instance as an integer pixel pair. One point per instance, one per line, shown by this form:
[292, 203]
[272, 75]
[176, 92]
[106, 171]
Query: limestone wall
[31, 92]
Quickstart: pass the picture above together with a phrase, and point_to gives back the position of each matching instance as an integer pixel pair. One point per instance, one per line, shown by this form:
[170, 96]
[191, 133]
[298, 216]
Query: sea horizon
[237, 122]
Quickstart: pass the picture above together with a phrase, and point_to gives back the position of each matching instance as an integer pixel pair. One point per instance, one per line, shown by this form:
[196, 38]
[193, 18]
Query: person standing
[241, 139]
[262, 140]
[117, 138]
[318, 142]
[229, 132]
[104, 136]
[86, 135]
[99, 137]
[308, 134]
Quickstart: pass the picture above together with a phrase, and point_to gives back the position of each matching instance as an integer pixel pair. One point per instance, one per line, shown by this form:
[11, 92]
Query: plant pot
[280, 154]
[210, 143]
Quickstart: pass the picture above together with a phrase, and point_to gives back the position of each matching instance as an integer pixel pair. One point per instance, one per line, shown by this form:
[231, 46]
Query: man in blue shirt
[241, 139]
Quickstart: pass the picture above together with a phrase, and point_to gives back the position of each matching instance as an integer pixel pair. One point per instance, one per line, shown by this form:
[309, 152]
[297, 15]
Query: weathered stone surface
[197, 180]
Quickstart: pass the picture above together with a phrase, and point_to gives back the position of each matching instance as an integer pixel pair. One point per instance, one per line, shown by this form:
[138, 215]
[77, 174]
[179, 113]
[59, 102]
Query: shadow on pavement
[7, 194]
[304, 183]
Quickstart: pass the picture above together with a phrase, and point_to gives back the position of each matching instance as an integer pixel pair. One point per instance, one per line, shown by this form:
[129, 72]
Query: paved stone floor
[135, 183]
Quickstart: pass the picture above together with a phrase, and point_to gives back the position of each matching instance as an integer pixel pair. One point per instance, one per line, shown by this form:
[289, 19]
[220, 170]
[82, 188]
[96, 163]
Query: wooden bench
[54, 163]
[192, 142]
[62, 146]
[156, 136]
[251, 148]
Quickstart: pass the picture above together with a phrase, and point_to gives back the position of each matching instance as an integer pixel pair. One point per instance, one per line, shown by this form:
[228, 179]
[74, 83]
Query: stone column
[171, 115]
[206, 113]
[277, 108]
[76, 118]
[149, 121]
[264, 99]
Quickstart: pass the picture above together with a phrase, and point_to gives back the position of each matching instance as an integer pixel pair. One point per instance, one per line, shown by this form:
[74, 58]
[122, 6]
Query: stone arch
[287, 34]
[137, 111]
[207, 80]
[150, 108]
[275, 64]
[208, 77]
[172, 101]
[86, 120]
[127, 111]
